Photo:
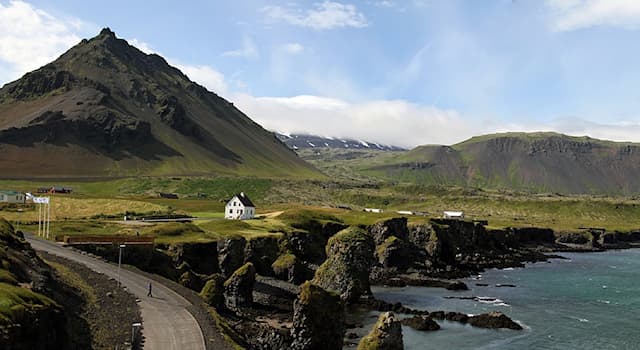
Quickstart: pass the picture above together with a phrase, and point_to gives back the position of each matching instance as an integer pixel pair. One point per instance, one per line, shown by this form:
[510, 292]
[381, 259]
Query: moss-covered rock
[318, 319]
[385, 335]
[28, 318]
[289, 268]
[191, 280]
[397, 253]
[238, 289]
[382, 230]
[349, 260]
[262, 252]
[231, 255]
[213, 291]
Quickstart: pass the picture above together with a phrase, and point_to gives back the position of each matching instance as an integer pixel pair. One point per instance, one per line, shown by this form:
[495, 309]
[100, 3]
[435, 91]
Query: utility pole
[120, 261]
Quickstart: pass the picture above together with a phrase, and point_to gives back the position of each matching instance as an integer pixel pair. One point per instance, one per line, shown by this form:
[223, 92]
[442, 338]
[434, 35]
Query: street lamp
[120, 261]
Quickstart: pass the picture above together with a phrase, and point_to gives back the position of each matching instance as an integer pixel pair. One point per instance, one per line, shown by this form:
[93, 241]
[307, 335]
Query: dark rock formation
[394, 252]
[191, 280]
[349, 259]
[262, 252]
[213, 291]
[494, 320]
[385, 335]
[289, 268]
[231, 255]
[397, 227]
[421, 323]
[238, 289]
[318, 319]
[308, 246]
[201, 257]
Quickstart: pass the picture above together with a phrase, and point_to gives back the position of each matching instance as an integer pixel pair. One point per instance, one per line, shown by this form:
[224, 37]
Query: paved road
[167, 322]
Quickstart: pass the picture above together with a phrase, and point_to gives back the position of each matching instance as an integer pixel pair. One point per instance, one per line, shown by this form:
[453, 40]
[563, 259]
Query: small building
[453, 215]
[240, 207]
[55, 189]
[373, 210]
[168, 195]
[12, 197]
[405, 212]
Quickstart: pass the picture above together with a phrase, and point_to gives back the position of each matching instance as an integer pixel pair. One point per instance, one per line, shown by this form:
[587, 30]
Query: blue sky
[403, 72]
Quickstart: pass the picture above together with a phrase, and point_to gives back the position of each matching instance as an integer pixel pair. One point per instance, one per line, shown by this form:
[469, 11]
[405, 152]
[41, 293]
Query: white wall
[236, 210]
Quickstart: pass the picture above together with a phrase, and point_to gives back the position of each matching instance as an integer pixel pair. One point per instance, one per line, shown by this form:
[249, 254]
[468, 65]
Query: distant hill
[299, 141]
[104, 108]
[538, 162]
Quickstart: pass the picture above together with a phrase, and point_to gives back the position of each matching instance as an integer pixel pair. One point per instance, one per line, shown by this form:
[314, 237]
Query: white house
[239, 207]
[453, 215]
[12, 197]
[373, 210]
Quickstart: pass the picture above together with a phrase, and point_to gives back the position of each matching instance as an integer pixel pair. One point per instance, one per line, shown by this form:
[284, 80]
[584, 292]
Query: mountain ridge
[538, 162]
[298, 141]
[105, 108]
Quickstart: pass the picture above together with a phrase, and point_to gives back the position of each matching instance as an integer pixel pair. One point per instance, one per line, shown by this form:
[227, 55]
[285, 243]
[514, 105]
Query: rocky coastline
[277, 292]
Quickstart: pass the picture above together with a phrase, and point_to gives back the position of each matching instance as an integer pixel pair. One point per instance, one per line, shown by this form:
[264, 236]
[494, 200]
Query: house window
[230, 211]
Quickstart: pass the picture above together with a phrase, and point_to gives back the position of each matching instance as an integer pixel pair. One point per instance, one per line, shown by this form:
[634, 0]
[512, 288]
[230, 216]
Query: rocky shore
[291, 292]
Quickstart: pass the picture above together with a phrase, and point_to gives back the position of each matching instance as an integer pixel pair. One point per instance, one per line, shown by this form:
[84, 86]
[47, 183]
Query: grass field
[95, 207]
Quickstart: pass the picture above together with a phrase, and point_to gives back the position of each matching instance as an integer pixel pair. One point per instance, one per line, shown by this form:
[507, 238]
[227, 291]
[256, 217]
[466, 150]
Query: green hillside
[532, 162]
[104, 108]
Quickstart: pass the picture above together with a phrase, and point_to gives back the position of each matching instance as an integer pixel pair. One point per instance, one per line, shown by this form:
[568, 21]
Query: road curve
[167, 322]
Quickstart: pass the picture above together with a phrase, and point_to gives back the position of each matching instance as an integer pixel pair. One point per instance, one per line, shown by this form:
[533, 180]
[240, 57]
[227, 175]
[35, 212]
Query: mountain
[298, 141]
[104, 108]
[538, 162]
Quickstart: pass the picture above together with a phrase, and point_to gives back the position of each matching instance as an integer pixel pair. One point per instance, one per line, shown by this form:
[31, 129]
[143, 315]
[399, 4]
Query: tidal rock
[349, 259]
[494, 320]
[387, 228]
[385, 335]
[421, 323]
[456, 317]
[231, 255]
[213, 291]
[318, 319]
[238, 289]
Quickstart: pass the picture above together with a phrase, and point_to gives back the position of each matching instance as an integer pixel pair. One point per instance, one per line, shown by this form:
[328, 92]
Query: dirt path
[167, 322]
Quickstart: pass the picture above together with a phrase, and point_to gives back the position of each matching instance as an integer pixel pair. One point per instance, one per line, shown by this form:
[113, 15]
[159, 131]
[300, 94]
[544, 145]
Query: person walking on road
[149, 292]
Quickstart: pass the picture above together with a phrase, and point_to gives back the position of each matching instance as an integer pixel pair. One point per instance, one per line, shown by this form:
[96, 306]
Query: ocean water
[589, 301]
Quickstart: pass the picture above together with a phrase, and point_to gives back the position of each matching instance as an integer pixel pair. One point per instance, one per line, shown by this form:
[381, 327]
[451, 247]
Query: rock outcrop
[318, 319]
[393, 227]
[262, 252]
[213, 291]
[349, 260]
[231, 255]
[29, 319]
[385, 335]
[289, 268]
[494, 320]
[238, 289]
[421, 323]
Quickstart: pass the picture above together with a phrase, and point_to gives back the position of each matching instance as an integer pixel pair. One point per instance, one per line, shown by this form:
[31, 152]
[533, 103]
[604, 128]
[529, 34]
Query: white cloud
[142, 46]
[385, 121]
[571, 15]
[204, 75]
[31, 38]
[248, 50]
[325, 15]
[293, 48]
